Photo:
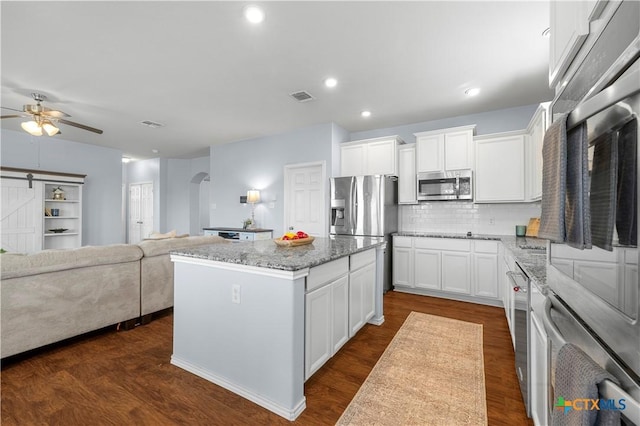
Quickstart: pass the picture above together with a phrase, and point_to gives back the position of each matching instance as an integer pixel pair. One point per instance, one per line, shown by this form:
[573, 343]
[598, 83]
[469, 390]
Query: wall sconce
[253, 197]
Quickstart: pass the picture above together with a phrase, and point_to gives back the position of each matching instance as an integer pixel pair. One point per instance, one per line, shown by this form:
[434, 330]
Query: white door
[305, 193]
[140, 211]
[22, 216]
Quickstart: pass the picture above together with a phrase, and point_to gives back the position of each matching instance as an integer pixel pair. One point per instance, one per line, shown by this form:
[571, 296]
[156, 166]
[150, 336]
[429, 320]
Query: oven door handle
[608, 389]
[516, 286]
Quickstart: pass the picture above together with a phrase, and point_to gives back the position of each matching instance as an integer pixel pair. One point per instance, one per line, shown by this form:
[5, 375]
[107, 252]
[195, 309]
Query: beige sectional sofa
[52, 295]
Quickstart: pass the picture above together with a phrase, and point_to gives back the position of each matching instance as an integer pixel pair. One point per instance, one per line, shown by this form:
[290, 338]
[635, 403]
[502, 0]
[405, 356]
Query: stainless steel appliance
[520, 284]
[594, 297]
[448, 185]
[366, 206]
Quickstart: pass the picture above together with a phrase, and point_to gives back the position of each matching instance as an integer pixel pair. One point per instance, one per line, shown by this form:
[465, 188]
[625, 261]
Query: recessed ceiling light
[365, 114]
[330, 82]
[155, 151]
[254, 14]
[472, 92]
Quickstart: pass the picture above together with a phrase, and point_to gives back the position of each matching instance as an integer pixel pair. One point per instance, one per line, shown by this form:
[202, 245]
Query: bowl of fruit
[291, 239]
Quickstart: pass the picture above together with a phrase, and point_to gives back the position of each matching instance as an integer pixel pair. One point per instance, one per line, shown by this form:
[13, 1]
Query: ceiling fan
[43, 118]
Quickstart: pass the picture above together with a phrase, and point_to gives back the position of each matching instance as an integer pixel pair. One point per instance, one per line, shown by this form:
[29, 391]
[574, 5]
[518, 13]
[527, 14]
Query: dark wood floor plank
[126, 377]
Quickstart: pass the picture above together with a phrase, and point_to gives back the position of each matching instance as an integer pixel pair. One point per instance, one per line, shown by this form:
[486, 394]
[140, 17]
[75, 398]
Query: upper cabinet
[445, 149]
[535, 136]
[508, 165]
[370, 157]
[570, 26]
[407, 191]
[500, 168]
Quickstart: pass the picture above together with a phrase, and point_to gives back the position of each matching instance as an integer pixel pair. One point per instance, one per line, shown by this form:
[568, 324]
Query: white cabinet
[500, 168]
[539, 357]
[362, 276]
[370, 157]
[407, 191]
[445, 149]
[485, 269]
[33, 218]
[455, 268]
[535, 137]
[326, 313]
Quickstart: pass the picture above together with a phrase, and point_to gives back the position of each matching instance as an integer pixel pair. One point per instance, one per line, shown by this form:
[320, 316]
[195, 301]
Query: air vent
[302, 96]
[151, 124]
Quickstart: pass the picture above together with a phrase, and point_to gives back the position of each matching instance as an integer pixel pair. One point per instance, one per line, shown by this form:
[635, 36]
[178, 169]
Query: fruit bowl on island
[291, 239]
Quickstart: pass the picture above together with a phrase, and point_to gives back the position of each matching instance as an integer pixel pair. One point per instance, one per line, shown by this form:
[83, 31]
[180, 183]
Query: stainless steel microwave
[448, 185]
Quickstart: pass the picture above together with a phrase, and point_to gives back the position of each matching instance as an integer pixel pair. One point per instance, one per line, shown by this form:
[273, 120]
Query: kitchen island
[246, 315]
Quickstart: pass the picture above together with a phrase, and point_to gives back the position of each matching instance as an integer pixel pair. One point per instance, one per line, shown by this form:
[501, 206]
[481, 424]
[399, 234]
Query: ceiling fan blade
[12, 109]
[80, 126]
[53, 113]
[13, 116]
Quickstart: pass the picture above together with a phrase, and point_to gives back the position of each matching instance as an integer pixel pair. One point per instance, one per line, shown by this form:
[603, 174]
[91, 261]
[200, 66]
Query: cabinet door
[407, 192]
[427, 269]
[458, 150]
[430, 153]
[403, 266]
[456, 270]
[318, 345]
[485, 273]
[361, 297]
[537, 128]
[500, 169]
[381, 158]
[569, 29]
[340, 313]
[352, 160]
[368, 291]
[539, 356]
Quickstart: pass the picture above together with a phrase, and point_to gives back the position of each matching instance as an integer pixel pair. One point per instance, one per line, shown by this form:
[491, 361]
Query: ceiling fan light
[50, 128]
[32, 128]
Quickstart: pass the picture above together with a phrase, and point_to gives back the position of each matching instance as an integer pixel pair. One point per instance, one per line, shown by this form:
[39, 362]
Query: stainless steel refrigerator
[366, 206]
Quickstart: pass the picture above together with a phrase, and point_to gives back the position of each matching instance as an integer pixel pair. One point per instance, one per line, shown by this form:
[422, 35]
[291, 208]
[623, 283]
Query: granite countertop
[238, 229]
[529, 252]
[266, 254]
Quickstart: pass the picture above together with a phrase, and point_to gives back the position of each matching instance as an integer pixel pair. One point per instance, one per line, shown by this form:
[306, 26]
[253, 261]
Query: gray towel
[554, 181]
[627, 199]
[577, 216]
[577, 377]
[603, 191]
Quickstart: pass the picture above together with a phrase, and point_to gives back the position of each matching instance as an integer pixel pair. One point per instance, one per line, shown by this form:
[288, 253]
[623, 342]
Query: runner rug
[432, 373]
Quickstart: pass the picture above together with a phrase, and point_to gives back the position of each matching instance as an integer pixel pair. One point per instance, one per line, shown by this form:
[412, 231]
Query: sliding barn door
[22, 215]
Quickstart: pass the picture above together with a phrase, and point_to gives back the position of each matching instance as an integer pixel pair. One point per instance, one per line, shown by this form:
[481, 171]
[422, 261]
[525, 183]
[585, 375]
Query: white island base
[242, 327]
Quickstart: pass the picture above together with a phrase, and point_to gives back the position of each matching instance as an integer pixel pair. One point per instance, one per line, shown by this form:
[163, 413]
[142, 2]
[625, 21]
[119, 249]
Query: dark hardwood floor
[125, 378]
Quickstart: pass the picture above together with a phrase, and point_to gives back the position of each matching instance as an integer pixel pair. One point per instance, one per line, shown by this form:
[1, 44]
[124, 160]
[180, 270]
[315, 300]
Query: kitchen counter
[529, 252]
[240, 311]
[266, 254]
[238, 229]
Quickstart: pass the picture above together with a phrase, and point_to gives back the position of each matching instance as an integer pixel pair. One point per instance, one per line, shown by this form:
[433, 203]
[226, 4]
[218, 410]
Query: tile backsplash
[461, 217]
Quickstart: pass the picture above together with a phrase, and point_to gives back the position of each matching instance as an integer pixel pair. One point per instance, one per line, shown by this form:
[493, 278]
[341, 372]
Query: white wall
[102, 192]
[259, 163]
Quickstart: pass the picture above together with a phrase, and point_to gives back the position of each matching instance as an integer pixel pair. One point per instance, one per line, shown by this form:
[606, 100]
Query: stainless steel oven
[594, 298]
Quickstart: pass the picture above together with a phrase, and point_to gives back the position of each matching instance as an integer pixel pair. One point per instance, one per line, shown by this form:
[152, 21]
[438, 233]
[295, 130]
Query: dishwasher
[520, 285]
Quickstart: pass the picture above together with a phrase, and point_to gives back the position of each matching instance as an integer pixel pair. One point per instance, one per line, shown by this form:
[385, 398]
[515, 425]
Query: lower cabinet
[339, 300]
[539, 358]
[456, 268]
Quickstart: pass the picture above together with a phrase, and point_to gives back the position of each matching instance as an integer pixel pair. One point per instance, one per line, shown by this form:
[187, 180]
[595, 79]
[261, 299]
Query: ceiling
[211, 77]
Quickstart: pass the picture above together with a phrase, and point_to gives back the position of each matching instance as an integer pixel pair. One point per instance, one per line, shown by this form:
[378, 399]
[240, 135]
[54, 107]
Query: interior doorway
[140, 211]
[305, 198]
[199, 203]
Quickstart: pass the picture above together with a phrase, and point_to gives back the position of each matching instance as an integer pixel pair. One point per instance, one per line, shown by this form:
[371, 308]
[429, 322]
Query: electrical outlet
[235, 293]
[492, 221]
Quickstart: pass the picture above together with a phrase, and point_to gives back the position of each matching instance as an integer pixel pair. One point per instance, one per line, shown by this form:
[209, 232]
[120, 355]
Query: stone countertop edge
[533, 264]
[266, 254]
[238, 229]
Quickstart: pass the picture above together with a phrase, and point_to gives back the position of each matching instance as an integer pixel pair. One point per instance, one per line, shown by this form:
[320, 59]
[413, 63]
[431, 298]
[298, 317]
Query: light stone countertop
[266, 254]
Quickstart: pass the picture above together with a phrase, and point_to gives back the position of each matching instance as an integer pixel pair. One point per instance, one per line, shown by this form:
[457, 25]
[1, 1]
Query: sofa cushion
[159, 247]
[21, 265]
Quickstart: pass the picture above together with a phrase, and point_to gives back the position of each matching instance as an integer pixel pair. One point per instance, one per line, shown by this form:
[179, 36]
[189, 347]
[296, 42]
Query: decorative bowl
[293, 243]
[58, 230]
